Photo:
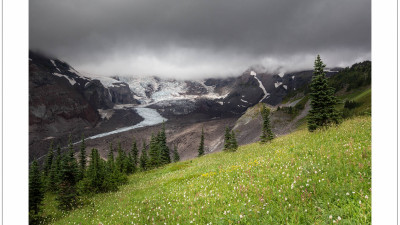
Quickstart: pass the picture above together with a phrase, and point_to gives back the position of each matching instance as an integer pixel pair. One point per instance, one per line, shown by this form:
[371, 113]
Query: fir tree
[201, 146]
[176, 154]
[227, 139]
[67, 192]
[165, 157]
[144, 158]
[154, 152]
[120, 160]
[49, 161]
[233, 143]
[322, 112]
[266, 133]
[130, 166]
[82, 159]
[135, 153]
[36, 192]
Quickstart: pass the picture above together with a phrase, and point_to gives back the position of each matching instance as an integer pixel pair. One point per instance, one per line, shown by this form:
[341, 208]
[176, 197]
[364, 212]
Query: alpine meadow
[196, 112]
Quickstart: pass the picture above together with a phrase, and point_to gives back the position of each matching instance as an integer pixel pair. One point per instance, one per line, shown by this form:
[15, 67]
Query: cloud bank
[189, 39]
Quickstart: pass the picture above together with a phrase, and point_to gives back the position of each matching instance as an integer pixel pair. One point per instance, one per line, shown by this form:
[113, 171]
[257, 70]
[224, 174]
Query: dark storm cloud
[184, 38]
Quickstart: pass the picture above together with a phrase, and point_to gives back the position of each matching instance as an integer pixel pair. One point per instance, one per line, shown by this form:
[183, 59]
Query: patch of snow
[54, 64]
[151, 117]
[284, 86]
[281, 74]
[87, 83]
[266, 94]
[30, 59]
[105, 113]
[294, 88]
[244, 101]
[293, 77]
[277, 84]
[71, 81]
[221, 103]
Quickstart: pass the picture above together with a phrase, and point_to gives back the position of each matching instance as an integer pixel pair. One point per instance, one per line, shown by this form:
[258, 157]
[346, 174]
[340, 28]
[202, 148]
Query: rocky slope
[63, 101]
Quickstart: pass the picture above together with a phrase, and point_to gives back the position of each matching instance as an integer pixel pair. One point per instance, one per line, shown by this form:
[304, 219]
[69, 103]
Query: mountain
[63, 102]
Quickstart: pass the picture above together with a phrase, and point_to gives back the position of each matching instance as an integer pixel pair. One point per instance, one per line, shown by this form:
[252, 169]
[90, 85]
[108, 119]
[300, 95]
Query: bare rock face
[122, 94]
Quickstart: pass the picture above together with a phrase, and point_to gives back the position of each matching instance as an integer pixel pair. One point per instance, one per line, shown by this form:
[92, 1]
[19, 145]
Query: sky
[188, 39]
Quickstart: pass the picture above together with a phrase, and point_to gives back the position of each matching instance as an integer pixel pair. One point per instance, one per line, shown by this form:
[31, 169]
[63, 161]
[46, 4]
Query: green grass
[361, 96]
[301, 178]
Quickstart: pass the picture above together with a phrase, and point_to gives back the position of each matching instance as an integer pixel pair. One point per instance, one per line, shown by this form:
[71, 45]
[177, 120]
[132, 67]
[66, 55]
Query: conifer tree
[144, 158]
[36, 191]
[120, 160]
[201, 146]
[266, 133]
[135, 153]
[233, 142]
[82, 159]
[130, 166]
[176, 154]
[227, 140]
[322, 112]
[110, 158]
[67, 192]
[154, 152]
[49, 161]
[165, 157]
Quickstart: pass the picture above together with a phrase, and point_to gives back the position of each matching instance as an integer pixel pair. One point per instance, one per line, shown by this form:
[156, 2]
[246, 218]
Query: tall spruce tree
[176, 154]
[82, 159]
[201, 146]
[227, 141]
[49, 161]
[322, 112]
[67, 191]
[135, 153]
[165, 157]
[120, 160]
[144, 160]
[233, 143]
[36, 191]
[266, 133]
[154, 152]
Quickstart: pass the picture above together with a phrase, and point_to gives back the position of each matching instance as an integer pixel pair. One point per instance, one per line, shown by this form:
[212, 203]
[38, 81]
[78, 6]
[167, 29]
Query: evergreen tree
[322, 112]
[154, 152]
[67, 192]
[110, 158]
[201, 146]
[130, 166]
[165, 157]
[227, 139]
[54, 174]
[120, 160]
[266, 133]
[36, 192]
[233, 143]
[82, 159]
[49, 161]
[135, 153]
[144, 158]
[176, 154]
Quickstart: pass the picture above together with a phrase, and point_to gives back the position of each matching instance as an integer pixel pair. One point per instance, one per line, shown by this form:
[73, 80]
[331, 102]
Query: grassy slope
[301, 178]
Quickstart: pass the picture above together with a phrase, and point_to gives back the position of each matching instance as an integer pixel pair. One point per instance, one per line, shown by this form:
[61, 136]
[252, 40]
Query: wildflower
[241, 216]
[330, 217]
[347, 193]
[338, 218]
[366, 197]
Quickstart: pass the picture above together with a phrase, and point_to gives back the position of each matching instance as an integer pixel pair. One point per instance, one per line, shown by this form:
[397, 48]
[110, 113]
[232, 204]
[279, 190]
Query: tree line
[69, 178]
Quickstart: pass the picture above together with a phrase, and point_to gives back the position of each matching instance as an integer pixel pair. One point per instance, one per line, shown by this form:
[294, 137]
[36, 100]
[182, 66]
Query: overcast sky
[200, 38]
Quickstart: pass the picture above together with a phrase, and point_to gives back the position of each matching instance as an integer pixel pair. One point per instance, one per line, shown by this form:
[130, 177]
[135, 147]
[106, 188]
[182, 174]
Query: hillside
[303, 177]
